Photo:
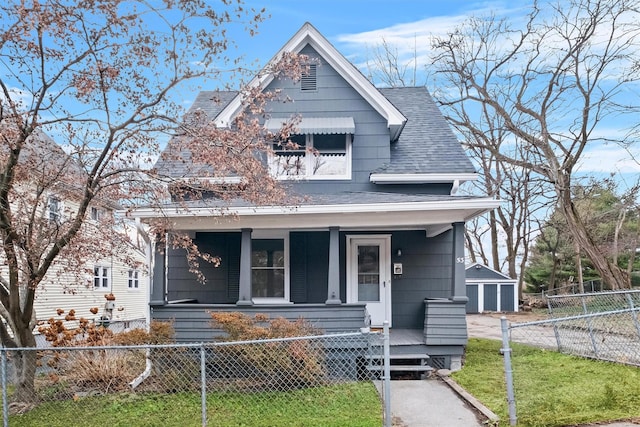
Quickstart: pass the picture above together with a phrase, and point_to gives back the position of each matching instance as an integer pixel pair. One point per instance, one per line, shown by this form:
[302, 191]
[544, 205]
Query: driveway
[489, 326]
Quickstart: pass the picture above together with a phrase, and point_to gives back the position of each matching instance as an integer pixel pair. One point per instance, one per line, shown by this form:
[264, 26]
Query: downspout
[144, 375]
[149, 253]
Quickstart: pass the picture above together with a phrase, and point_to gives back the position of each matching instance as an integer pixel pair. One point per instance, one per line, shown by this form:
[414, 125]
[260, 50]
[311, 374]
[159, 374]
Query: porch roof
[348, 210]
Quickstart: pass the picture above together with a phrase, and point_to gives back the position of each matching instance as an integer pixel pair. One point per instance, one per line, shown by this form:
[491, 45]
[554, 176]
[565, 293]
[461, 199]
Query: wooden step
[402, 368]
[411, 368]
[420, 356]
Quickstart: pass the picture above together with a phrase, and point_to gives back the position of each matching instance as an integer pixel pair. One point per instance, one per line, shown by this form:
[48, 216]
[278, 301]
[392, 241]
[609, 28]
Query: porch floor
[406, 337]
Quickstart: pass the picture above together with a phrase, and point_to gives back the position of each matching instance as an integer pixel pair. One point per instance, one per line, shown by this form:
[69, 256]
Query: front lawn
[552, 389]
[354, 404]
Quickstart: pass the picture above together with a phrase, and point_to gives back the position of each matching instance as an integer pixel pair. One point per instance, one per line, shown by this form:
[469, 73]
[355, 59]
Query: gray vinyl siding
[445, 322]
[336, 98]
[427, 273]
[309, 261]
[221, 282]
[192, 322]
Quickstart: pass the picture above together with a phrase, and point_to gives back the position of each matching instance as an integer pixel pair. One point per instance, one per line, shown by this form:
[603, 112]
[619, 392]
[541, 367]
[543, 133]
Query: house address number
[460, 260]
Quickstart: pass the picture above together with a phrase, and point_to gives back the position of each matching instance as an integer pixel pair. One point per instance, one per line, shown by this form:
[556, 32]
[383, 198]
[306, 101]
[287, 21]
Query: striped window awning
[317, 125]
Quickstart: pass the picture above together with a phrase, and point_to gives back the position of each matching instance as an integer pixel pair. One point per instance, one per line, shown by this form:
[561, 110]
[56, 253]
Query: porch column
[333, 285]
[158, 273]
[245, 269]
[458, 284]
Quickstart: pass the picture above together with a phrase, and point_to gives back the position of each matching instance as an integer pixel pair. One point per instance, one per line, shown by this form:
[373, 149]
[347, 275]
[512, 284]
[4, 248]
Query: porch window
[315, 156]
[268, 268]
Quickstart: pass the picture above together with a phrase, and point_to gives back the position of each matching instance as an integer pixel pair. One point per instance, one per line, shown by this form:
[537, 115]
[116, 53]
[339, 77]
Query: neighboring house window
[309, 80]
[317, 156]
[101, 277]
[134, 279]
[96, 213]
[54, 207]
[268, 269]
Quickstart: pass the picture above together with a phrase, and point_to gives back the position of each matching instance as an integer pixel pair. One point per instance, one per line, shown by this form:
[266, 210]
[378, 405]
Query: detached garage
[490, 290]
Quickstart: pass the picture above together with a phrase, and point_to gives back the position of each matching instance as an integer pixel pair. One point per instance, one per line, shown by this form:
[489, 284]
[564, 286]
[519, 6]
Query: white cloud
[608, 159]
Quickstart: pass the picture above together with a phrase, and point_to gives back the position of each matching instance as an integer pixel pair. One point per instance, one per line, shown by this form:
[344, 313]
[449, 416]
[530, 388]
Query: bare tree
[98, 78]
[552, 82]
[386, 66]
[506, 231]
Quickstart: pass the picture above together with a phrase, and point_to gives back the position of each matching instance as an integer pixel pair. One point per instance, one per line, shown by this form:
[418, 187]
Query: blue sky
[355, 27]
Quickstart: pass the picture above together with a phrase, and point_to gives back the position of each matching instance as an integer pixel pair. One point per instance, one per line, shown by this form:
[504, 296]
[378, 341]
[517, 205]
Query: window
[316, 156]
[54, 207]
[96, 213]
[134, 281]
[101, 277]
[268, 269]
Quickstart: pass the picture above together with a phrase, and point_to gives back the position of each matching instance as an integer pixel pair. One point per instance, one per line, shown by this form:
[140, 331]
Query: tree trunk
[610, 274]
[579, 268]
[25, 366]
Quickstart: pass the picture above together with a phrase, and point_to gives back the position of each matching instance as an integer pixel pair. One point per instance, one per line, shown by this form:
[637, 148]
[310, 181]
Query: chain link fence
[315, 380]
[602, 325]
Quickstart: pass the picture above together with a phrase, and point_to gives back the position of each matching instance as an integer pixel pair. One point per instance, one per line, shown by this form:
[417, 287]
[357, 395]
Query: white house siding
[130, 304]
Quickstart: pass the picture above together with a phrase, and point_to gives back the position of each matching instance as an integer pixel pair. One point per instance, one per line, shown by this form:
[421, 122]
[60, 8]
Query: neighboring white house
[83, 286]
[490, 290]
[129, 286]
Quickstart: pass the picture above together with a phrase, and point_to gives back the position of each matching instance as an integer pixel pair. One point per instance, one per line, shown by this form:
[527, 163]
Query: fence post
[633, 313]
[508, 371]
[387, 375]
[593, 339]
[203, 384]
[5, 401]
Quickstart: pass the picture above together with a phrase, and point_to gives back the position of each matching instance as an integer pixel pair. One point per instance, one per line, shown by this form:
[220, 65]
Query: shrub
[100, 369]
[279, 364]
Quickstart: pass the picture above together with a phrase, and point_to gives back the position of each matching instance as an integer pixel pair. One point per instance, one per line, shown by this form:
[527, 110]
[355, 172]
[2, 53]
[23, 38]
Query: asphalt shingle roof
[427, 143]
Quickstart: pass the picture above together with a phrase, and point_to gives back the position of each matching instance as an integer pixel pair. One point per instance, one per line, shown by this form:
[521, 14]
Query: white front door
[369, 276]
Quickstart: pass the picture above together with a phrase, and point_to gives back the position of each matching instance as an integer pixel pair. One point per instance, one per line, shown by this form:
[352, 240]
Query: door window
[368, 273]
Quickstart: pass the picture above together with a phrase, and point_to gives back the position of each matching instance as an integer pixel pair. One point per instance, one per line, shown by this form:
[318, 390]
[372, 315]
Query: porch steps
[409, 362]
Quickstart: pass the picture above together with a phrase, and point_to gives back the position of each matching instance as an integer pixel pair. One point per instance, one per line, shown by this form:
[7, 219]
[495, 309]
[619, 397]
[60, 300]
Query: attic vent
[309, 80]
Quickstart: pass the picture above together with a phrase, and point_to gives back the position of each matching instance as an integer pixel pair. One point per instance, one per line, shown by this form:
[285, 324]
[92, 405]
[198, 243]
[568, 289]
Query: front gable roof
[309, 35]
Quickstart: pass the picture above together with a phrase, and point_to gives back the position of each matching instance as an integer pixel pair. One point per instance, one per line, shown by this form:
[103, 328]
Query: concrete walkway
[429, 403]
[439, 402]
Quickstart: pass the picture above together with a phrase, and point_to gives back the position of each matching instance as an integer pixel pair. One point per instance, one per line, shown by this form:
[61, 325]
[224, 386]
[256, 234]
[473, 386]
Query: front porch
[440, 343]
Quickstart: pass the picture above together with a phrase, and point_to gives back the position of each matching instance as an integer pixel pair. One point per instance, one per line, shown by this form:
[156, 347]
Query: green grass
[355, 404]
[552, 389]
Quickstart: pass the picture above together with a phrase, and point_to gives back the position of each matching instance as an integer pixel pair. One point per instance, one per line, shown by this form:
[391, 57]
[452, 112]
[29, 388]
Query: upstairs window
[315, 156]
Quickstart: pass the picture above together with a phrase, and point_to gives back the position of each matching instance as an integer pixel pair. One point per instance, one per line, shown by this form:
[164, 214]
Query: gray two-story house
[378, 238]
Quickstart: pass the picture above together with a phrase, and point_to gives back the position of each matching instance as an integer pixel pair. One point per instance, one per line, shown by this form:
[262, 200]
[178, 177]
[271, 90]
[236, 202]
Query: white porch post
[244, 296]
[333, 285]
[458, 284]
